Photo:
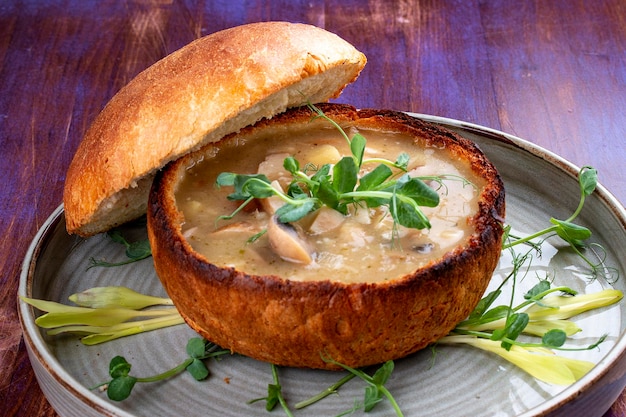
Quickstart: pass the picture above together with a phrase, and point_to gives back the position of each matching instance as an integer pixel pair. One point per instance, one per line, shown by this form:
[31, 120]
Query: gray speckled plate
[460, 382]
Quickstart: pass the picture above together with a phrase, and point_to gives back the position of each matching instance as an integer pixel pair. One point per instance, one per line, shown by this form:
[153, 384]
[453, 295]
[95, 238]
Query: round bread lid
[212, 87]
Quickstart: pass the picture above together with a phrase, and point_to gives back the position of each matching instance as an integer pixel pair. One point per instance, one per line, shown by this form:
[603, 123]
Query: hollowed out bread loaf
[297, 323]
[214, 86]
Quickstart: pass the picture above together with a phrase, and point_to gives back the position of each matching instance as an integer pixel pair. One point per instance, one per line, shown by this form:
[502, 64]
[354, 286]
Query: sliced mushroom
[287, 243]
[271, 204]
[236, 228]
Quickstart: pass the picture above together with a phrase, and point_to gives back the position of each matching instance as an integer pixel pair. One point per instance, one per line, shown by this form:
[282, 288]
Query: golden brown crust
[214, 86]
[293, 323]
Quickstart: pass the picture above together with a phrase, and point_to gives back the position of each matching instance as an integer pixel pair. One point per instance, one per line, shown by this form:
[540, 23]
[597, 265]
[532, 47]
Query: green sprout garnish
[575, 235]
[332, 389]
[274, 395]
[570, 232]
[375, 389]
[339, 186]
[105, 313]
[122, 383]
[135, 251]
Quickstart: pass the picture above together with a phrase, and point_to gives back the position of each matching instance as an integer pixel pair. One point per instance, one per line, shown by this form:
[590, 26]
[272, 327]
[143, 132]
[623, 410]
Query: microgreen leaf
[484, 304]
[117, 237]
[322, 173]
[418, 191]
[274, 395]
[257, 188]
[329, 196]
[382, 374]
[291, 164]
[539, 288]
[404, 212]
[515, 325]
[554, 338]
[273, 392]
[374, 178]
[225, 179]
[120, 387]
[402, 161]
[292, 213]
[239, 182]
[135, 251]
[139, 250]
[495, 313]
[588, 180]
[196, 347]
[345, 175]
[571, 232]
[372, 396]
[296, 192]
[198, 369]
[119, 367]
[357, 146]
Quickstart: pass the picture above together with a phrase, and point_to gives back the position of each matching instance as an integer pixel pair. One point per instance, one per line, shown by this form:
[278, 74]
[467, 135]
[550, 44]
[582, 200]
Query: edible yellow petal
[115, 297]
[564, 307]
[540, 364]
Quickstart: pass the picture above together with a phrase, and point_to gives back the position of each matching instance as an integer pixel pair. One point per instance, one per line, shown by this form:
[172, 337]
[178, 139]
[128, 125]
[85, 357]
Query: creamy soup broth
[360, 247]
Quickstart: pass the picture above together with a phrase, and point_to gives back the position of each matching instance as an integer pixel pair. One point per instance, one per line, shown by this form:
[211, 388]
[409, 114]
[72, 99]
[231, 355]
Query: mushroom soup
[363, 246]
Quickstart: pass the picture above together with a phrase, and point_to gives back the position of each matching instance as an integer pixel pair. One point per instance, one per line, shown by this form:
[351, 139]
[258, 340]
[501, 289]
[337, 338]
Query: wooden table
[551, 72]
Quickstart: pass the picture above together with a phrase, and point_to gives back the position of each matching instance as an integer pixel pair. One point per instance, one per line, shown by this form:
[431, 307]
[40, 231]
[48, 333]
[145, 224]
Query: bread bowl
[298, 322]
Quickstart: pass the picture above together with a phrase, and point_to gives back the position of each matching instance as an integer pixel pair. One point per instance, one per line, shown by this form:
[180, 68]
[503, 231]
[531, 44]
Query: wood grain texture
[551, 72]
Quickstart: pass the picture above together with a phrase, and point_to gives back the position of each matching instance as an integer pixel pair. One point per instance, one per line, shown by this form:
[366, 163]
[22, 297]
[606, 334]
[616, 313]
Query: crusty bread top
[214, 86]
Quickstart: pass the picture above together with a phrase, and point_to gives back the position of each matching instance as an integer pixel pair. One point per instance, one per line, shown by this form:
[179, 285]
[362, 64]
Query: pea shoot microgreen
[274, 395]
[339, 186]
[570, 232]
[135, 251]
[330, 390]
[120, 386]
[573, 234]
[375, 389]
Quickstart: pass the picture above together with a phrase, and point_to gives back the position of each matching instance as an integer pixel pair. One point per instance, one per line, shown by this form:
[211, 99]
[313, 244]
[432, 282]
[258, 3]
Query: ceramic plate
[458, 381]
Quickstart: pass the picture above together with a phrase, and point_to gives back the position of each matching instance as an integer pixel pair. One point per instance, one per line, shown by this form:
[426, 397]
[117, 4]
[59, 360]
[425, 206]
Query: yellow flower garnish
[105, 313]
[541, 363]
[497, 330]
